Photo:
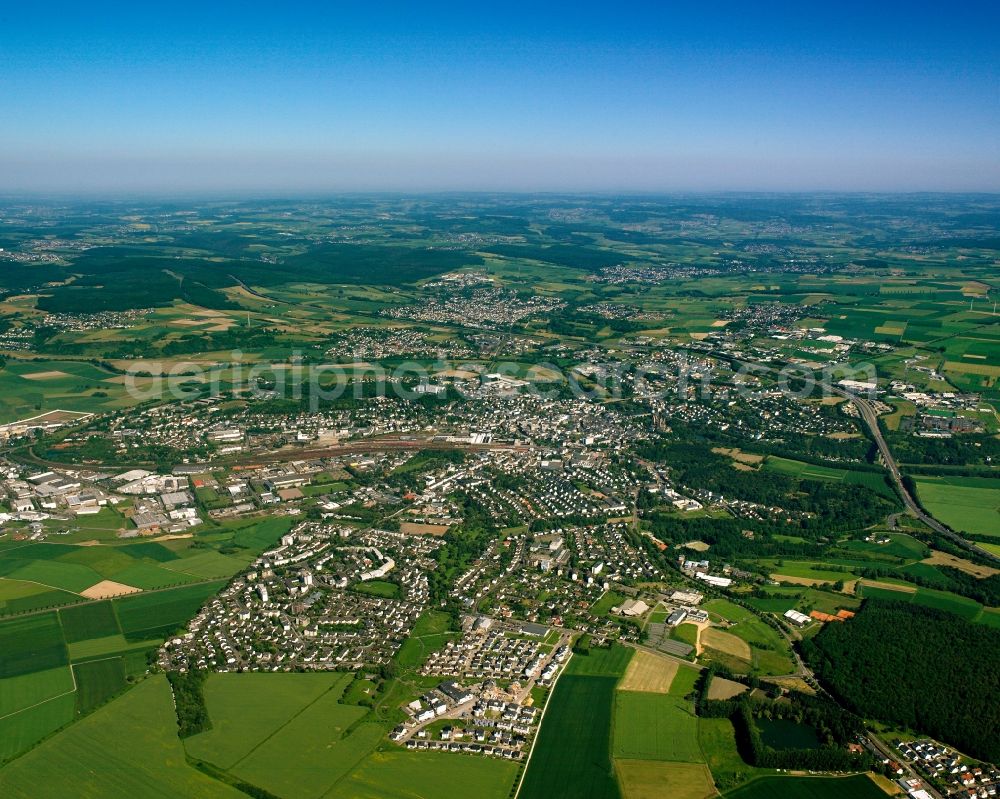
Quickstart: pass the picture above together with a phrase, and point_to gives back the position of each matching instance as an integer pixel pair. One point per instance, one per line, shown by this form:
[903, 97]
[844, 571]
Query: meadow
[128, 747]
[655, 727]
[30, 387]
[968, 505]
[874, 480]
[401, 774]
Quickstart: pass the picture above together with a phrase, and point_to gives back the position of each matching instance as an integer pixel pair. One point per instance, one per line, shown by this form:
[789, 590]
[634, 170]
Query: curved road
[870, 418]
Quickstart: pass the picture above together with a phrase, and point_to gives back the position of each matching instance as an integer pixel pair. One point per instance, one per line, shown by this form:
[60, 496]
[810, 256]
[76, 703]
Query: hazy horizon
[445, 97]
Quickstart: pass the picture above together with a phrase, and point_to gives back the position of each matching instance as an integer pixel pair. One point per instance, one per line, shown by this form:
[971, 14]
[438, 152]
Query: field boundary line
[292, 718]
[44, 701]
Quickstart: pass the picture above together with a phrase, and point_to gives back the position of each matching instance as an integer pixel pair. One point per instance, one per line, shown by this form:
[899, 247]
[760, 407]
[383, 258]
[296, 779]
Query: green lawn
[429, 634]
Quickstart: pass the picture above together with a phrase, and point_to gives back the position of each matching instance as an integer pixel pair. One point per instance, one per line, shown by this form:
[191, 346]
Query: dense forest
[919, 667]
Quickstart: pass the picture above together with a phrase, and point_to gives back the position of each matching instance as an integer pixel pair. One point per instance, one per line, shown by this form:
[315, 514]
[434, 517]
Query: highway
[870, 418]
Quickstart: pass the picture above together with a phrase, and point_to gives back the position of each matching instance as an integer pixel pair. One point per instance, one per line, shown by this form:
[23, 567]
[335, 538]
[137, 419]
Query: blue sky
[535, 96]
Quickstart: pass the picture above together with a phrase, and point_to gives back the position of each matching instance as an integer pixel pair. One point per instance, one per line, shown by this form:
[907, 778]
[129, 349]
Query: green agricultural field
[317, 747]
[97, 681]
[23, 729]
[248, 708]
[207, 565]
[105, 560]
[129, 747]
[427, 775]
[18, 596]
[32, 643]
[56, 574]
[109, 645]
[571, 756]
[858, 786]
[969, 508]
[655, 727]
[91, 620]
[148, 576]
[159, 613]
[25, 690]
[32, 387]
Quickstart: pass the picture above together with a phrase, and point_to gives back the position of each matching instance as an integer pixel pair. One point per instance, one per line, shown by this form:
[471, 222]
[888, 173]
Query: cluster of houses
[949, 770]
[302, 605]
[494, 650]
[491, 307]
[482, 719]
